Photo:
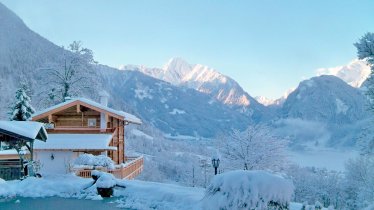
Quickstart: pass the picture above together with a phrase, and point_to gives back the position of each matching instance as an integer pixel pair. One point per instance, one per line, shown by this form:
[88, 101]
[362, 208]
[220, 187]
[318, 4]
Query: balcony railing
[70, 129]
[128, 170]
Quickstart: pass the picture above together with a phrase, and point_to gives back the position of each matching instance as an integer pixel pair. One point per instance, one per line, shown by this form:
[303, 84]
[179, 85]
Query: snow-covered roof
[76, 142]
[25, 129]
[11, 152]
[126, 116]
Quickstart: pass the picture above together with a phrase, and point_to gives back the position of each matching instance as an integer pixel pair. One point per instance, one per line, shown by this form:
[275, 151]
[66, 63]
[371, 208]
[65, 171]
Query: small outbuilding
[18, 137]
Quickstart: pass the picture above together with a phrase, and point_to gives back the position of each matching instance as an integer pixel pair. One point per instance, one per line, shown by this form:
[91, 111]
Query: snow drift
[247, 190]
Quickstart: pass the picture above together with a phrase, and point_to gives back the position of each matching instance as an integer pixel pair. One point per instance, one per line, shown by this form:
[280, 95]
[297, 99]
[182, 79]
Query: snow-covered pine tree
[21, 110]
[365, 51]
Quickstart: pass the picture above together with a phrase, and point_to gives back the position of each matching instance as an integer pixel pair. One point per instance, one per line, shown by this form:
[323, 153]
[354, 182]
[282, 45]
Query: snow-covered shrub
[92, 160]
[106, 180]
[2, 181]
[248, 190]
[318, 205]
[96, 173]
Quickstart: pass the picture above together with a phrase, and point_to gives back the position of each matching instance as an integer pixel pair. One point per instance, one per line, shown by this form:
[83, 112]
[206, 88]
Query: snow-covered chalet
[81, 126]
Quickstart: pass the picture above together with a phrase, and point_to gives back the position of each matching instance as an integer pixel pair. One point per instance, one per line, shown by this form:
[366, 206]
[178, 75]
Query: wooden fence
[129, 170]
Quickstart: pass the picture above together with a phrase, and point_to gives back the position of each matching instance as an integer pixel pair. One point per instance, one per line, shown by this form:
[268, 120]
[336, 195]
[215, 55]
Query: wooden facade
[80, 117]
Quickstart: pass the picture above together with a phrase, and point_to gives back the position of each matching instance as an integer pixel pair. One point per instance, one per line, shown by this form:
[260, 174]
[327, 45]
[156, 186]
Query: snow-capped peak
[264, 100]
[177, 63]
[175, 70]
[179, 72]
[276, 102]
[354, 73]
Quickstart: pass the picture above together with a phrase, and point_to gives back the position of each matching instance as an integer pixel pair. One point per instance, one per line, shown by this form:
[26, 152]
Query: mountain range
[182, 99]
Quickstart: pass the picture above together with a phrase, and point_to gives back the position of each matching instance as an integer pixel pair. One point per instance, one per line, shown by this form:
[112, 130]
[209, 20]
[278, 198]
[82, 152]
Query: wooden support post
[78, 108]
[50, 118]
[31, 150]
[107, 120]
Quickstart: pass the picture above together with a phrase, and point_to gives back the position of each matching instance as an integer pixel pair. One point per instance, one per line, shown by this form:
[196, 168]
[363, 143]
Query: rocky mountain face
[325, 98]
[174, 110]
[209, 81]
[324, 111]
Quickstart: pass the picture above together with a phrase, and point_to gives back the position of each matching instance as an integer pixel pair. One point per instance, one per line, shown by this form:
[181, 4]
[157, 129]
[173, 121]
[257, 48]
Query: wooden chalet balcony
[128, 170]
[79, 130]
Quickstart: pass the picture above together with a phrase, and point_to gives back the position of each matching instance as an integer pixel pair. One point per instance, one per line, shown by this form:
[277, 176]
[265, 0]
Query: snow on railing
[129, 170]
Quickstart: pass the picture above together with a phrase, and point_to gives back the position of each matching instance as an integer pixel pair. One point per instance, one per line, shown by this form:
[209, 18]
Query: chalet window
[92, 122]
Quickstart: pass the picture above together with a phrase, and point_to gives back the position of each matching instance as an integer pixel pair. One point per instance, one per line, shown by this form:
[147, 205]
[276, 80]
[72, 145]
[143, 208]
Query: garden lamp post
[215, 163]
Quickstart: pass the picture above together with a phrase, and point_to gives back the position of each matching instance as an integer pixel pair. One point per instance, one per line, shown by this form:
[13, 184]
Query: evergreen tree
[365, 51]
[22, 109]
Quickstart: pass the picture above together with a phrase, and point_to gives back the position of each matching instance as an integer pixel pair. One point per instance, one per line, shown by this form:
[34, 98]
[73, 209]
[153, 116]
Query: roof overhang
[89, 104]
[76, 142]
[24, 130]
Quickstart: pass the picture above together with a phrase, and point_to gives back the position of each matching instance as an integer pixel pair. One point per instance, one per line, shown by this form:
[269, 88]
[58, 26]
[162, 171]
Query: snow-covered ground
[136, 195]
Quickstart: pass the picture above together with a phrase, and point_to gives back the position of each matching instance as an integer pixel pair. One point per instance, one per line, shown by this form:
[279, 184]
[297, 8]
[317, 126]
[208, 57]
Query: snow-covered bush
[92, 160]
[318, 205]
[105, 180]
[248, 190]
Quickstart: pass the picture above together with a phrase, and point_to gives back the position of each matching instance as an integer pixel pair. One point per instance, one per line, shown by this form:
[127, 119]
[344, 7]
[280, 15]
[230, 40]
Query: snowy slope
[174, 110]
[322, 112]
[22, 51]
[327, 99]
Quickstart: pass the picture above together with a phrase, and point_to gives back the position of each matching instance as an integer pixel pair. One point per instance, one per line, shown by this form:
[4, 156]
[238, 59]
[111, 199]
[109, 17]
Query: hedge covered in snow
[248, 190]
[92, 160]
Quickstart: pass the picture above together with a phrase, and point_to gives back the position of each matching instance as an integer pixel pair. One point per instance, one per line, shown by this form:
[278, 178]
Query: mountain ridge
[192, 102]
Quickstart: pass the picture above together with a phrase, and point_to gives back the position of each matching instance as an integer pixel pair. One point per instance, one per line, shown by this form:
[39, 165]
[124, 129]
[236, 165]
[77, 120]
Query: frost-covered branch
[254, 148]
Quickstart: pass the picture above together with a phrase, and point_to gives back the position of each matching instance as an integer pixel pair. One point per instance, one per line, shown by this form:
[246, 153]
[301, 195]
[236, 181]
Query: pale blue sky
[267, 46]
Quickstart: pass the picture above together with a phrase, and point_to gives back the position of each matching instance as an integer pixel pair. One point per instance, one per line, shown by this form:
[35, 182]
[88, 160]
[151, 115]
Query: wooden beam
[43, 115]
[106, 118]
[75, 103]
[50, 118]
[78, 108]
